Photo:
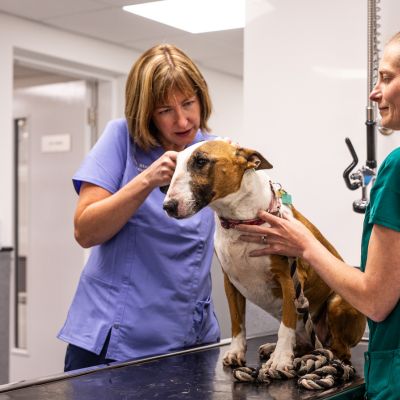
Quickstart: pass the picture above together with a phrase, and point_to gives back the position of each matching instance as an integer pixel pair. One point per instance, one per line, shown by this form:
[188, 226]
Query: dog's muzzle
[171, 208]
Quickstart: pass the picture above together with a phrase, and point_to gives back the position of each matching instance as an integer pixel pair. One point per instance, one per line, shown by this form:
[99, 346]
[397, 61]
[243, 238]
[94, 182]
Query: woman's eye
[188, 103]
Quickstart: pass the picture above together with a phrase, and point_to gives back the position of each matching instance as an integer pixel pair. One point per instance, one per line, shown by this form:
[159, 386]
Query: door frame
[103, 88]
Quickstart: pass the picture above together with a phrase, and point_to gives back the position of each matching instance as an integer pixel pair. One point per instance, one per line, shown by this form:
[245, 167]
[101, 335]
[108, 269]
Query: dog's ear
[254, 159]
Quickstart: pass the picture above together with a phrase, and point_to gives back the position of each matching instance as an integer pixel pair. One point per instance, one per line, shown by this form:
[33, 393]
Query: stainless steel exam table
[196, 374]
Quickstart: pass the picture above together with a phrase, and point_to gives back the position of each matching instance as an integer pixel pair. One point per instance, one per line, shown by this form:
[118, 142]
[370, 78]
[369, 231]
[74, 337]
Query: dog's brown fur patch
[231, 162]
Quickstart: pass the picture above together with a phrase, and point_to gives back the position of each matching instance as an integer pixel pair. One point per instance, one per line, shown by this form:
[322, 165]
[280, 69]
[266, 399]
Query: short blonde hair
[154, 75]
[395, 40]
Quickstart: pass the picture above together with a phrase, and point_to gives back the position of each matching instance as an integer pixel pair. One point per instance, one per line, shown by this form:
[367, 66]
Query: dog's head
[206, 172]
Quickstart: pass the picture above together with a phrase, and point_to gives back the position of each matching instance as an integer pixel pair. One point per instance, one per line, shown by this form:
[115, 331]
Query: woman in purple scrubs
[146, 288]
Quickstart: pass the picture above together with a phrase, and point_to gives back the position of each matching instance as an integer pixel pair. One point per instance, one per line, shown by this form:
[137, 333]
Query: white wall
[227, 97]
[304, 92]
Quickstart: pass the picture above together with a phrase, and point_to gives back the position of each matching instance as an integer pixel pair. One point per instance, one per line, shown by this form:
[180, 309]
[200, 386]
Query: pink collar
[231, 223]
[274, 208]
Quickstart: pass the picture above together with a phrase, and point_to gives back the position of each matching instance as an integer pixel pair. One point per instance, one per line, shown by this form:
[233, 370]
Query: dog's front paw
[236, 355]
[281, 360]
[234, 358]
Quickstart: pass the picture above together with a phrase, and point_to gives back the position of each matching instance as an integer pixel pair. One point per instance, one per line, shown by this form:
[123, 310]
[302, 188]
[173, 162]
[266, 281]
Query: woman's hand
[100, 214]
[285, 236]
[160, 172]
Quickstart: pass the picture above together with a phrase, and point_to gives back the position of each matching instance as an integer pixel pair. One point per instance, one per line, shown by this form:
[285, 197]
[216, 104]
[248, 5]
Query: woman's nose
[181, 118]
[375, 94]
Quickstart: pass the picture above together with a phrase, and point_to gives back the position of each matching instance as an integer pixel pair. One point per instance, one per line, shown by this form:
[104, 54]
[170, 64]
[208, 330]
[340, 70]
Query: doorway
[54, 127]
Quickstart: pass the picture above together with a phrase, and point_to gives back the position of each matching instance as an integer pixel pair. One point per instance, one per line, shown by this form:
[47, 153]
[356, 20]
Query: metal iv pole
[366, 174]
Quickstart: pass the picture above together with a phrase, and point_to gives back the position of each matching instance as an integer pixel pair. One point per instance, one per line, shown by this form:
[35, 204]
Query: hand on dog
[285, 236]
[160, 172]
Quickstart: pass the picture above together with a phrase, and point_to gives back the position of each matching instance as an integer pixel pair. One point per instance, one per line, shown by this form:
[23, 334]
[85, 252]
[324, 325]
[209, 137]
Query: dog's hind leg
[346, 326]
[236, 355]
[265, 350]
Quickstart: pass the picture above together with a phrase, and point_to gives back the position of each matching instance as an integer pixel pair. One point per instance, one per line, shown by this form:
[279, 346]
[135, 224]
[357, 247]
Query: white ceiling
[105, 20]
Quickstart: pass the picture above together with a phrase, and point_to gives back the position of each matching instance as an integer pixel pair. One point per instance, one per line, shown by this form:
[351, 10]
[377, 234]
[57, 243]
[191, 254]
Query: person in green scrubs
[375, 289]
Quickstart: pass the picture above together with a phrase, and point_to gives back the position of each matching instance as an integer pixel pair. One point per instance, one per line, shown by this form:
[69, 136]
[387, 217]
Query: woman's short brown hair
[158, 71]
[395, 40]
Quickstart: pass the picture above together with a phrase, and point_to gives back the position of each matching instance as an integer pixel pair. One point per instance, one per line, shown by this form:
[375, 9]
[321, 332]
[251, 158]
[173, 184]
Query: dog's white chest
[250, 275]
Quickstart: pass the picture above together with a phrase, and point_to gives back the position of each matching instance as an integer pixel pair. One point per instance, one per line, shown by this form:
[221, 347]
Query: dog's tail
[302, 306]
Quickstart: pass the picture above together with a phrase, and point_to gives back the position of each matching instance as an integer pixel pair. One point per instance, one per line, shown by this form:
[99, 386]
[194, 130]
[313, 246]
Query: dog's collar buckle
[232, 223]
[279, 197]
[276, 201]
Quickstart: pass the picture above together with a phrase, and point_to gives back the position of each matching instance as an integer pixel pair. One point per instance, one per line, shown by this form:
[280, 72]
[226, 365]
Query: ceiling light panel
[194, 16]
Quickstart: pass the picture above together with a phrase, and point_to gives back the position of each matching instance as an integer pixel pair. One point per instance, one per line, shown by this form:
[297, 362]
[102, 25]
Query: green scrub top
[382, 360]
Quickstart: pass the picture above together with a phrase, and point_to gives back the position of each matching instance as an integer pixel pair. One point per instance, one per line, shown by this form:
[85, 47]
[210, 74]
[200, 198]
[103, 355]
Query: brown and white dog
[232, 181]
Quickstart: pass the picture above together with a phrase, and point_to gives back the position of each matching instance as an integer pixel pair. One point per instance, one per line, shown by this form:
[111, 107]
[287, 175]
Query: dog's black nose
[171, 207]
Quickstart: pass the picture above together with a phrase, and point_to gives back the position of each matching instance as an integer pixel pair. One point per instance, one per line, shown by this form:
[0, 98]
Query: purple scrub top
[150, 285]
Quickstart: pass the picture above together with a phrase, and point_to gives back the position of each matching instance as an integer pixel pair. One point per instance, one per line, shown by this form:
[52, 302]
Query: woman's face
[386, 92]
[177, 121]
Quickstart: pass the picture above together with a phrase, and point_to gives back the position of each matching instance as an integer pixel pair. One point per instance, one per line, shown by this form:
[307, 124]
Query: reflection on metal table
[196, 374]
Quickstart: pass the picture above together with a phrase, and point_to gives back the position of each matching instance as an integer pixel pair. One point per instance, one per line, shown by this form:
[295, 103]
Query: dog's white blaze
[180, 184]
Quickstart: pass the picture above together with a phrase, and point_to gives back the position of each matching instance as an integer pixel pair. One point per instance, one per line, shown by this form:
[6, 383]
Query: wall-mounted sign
[56, 143]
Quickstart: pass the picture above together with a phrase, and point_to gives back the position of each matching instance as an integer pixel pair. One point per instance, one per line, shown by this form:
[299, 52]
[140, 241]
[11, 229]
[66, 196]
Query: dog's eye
[200, 162]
